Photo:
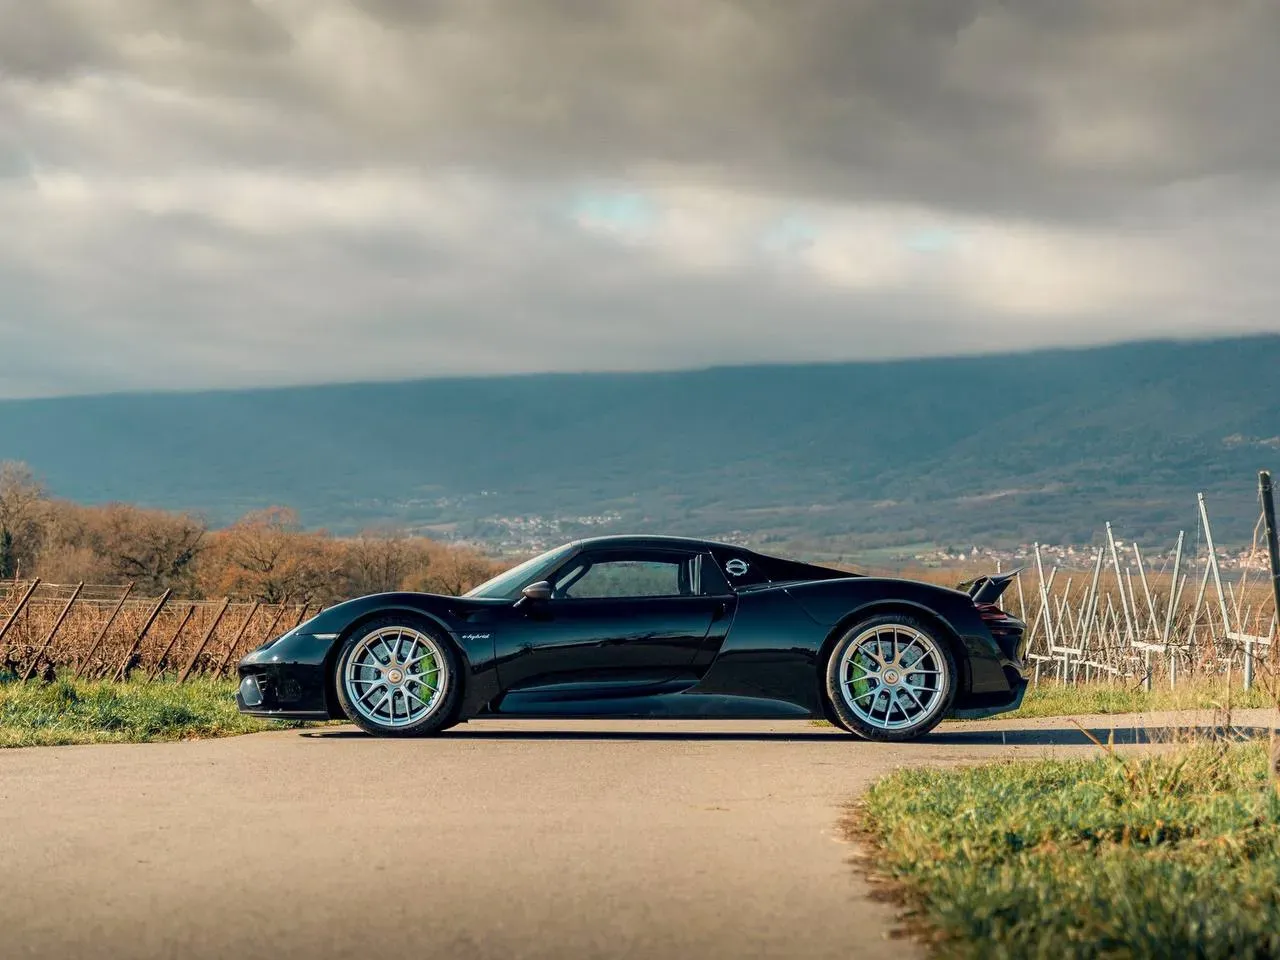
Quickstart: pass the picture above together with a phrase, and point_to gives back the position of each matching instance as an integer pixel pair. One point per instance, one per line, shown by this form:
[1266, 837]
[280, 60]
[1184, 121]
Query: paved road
[531, 840]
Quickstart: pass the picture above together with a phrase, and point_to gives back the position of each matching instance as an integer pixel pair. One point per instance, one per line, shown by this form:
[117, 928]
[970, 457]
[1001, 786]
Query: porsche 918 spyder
[652, 627]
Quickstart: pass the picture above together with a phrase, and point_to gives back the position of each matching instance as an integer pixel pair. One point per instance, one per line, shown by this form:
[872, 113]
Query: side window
[711, 582]
[623, 578]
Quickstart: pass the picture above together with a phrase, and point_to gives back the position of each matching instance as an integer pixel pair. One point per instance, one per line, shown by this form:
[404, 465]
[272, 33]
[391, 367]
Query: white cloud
[234, 193]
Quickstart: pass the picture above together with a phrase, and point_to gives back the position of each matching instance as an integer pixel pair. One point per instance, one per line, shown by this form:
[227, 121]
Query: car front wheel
[891, 678]
[396, 677]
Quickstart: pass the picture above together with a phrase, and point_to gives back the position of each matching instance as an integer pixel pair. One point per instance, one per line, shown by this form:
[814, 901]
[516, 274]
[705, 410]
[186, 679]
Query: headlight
[274, 640]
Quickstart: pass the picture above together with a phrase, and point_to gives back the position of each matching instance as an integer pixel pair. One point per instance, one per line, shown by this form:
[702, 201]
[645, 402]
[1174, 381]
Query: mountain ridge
[984, 448]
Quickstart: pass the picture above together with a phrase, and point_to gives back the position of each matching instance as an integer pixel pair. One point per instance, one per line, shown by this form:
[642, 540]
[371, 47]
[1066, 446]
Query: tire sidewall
[445, 714]
[855, 724]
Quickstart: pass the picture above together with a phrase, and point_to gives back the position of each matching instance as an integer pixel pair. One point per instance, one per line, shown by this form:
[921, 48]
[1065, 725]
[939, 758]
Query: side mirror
[539, 592]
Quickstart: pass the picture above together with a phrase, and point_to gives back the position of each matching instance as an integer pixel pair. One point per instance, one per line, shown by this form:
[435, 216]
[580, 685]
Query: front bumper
[287, 680]
[257, 698]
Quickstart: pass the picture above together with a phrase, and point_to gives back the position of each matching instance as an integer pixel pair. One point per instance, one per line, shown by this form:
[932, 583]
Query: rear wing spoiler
[988, 589]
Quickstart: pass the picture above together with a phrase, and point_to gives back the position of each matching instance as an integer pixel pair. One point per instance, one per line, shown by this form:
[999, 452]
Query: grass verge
[1173, 855]
[78, 711]
[1048, 699]
[1051, 699]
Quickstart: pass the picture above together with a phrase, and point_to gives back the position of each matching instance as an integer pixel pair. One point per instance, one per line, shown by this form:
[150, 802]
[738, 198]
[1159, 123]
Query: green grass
[1052, 700]
[1158, 856]
[70, 711]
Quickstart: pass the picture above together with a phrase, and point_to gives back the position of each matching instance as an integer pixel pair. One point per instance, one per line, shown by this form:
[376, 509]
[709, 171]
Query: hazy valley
[832, 458]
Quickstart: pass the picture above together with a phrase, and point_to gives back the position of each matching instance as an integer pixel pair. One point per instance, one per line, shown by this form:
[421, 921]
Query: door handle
[719, 611]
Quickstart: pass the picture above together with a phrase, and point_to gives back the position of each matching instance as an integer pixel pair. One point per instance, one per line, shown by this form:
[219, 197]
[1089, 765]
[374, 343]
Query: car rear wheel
[396, 677]
[891, 678]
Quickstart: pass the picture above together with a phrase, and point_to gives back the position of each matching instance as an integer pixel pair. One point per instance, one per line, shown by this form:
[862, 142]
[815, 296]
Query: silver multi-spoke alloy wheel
[396, 677]
[894, 677]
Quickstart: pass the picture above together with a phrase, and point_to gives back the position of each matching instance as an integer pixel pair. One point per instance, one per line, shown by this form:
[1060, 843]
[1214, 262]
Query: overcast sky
[225, 192]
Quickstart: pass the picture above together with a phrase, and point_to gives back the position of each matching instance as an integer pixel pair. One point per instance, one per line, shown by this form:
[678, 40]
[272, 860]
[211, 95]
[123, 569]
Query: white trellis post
[1146, 590]
[1175, 592]
[1115, 562]
[1195, 612]
[1217, 582]
[1090, 610]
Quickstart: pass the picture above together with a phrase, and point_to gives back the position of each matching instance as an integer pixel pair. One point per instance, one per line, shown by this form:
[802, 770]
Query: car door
[620, 622]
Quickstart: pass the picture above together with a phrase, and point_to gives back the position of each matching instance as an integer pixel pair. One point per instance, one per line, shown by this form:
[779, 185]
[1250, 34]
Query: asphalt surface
[505, 840]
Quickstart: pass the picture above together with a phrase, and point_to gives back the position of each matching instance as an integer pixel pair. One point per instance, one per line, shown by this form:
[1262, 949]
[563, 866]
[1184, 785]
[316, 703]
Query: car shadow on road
[465, 733]
[1006, 736]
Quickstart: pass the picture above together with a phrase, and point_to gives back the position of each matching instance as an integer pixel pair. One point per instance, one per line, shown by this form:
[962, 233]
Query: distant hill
[990, 449]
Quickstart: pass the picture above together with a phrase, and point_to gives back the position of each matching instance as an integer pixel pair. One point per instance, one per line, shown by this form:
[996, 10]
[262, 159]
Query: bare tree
[454, 570]
[268, 557]
[152, 548]
[8, 555]
[381, 561]
[265, 556]
[23, 516]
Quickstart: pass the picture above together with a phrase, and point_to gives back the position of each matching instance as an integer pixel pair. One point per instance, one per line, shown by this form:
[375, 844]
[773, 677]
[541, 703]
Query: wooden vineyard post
[137, 641]
[222, 664]
[22, 605]
[97, 641]
[1273, 554]
[275, 622]
[57, 625]
[204, 641]
[155, 668]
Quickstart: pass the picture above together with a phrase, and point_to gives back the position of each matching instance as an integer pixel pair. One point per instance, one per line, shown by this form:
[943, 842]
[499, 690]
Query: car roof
[776, 568]
[648, 540]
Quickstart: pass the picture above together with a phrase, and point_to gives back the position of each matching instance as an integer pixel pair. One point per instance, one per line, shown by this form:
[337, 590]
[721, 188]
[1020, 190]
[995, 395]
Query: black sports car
[652, 627]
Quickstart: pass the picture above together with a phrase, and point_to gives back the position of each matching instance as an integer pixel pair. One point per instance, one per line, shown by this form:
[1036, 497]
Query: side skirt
[682, 706]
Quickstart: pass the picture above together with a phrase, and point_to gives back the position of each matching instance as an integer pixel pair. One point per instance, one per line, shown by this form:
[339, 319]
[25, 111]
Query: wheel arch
[331, 658]
[875, 608]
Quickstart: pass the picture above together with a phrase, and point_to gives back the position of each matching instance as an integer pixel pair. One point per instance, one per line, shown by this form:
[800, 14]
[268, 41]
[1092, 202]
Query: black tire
[833, 718]
[443, 709]
[932, 698]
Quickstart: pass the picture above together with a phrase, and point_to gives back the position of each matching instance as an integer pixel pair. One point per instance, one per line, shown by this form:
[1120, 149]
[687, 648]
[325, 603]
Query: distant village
[535, 533]
[1075, 557]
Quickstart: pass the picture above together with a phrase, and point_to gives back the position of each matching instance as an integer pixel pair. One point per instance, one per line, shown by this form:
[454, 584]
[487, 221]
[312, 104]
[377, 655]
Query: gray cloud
[232, 192]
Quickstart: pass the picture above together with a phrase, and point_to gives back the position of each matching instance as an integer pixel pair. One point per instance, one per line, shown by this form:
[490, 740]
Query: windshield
[507, 586]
